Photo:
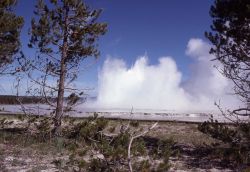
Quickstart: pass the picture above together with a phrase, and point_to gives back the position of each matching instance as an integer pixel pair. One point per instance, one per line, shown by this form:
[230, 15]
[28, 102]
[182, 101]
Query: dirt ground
[194, 149]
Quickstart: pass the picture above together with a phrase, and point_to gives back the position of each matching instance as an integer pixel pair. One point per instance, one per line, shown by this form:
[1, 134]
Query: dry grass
[22, 152]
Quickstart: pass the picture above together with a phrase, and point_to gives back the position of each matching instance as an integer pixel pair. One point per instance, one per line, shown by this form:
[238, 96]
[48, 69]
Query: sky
[138, 27]
[153, 47]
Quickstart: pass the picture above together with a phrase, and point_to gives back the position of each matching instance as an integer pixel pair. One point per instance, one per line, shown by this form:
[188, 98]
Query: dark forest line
[12, 99]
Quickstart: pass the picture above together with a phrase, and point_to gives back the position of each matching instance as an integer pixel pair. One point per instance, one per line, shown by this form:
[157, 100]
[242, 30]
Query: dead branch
[131, 141]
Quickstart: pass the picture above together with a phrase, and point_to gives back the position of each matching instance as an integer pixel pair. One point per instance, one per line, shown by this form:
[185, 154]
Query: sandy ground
[193, 146]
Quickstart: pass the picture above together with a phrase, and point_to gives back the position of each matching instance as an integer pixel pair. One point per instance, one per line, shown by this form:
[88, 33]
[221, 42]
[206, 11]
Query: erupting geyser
[161, 86]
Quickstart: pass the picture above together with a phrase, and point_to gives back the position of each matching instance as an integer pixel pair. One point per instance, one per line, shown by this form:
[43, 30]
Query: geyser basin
[135, 114]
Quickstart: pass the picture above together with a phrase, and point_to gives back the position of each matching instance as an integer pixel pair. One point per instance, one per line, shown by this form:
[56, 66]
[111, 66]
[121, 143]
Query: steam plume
[161, 86]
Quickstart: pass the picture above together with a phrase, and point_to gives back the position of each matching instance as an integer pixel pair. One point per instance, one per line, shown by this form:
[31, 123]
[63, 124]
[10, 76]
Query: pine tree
[65, 33]
[10, 27]
[230, 36]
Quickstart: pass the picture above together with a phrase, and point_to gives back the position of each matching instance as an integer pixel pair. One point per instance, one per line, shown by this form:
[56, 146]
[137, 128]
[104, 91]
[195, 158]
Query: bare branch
[131, 141]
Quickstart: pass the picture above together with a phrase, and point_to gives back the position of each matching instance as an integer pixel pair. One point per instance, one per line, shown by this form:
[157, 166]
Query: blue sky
[135, 27]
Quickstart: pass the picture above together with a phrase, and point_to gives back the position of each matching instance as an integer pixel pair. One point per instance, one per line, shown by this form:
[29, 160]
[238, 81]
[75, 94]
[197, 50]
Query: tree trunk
[60, 95]
[60, 98]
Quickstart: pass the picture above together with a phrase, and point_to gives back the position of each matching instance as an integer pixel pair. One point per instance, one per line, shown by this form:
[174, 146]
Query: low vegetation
[98, 144]
[235, 139]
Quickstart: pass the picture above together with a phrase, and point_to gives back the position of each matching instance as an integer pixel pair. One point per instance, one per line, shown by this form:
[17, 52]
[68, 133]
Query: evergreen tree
[231, 39]
[65, 33]
[10, 27]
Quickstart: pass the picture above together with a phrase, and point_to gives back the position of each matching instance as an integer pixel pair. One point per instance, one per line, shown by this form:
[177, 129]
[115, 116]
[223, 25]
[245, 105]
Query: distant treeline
[13, 100]
[10, 99]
